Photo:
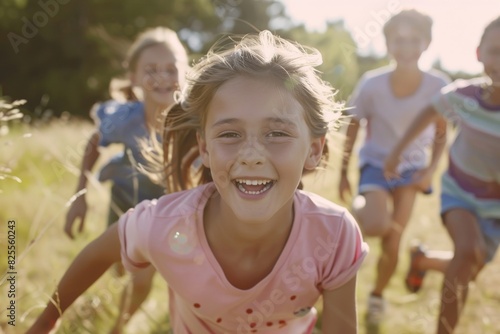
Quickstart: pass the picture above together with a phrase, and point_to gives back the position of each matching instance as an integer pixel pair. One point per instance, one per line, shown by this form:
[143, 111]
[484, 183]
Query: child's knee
[472, 256]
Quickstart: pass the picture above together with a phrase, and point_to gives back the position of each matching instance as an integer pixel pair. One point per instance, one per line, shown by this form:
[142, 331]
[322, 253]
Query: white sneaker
[376, 310]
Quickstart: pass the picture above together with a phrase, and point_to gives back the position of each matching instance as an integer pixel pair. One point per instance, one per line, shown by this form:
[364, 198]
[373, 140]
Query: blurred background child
[156, 64]
[390, 99]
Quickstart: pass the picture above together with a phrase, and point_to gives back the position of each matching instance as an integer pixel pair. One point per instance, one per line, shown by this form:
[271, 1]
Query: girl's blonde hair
[260, 55]
[122, 88]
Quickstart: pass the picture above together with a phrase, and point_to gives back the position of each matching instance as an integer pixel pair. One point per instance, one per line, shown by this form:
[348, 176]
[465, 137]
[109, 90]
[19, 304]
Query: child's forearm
[351, 134]
[428, 116]
[90, 156]
[87, 267]
[439, 143]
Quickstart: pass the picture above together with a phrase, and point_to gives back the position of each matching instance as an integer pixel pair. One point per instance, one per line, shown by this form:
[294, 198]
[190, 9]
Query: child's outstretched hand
[78, 209]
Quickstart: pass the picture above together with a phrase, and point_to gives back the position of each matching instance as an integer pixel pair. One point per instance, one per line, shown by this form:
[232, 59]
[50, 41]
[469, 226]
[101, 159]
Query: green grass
[47, 160]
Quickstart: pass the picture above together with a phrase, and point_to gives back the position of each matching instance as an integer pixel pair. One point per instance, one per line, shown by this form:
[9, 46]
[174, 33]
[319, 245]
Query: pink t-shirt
[324, 251]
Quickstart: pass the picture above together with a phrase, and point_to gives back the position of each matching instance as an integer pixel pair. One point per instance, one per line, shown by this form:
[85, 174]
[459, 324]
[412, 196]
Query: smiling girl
[245, 251]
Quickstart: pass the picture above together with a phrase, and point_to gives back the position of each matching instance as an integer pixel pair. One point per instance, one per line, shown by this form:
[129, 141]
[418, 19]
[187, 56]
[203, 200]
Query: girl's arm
[339, 310]
[87, 267]
[78, 208]
[428, 116]
[351, 134]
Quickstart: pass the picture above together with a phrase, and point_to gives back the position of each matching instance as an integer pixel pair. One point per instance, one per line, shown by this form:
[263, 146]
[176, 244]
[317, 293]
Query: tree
[340, 67]
[60, 55]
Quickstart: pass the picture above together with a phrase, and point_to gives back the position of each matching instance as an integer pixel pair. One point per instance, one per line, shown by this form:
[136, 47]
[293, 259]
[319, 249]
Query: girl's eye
[229, 135]
[277, 134]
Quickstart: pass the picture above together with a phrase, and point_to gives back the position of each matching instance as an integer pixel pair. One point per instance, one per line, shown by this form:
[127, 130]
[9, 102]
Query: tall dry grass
[46, 159]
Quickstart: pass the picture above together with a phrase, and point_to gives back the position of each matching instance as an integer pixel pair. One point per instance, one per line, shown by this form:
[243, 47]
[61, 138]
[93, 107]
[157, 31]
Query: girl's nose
[160, 78]
[252, 153]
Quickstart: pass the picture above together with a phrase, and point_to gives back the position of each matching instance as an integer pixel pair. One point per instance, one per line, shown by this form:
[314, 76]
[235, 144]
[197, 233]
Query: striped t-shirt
[474, 158]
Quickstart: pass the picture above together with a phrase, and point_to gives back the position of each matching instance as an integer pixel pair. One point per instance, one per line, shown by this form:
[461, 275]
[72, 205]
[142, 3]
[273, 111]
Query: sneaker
[376, 310]
[415, 277]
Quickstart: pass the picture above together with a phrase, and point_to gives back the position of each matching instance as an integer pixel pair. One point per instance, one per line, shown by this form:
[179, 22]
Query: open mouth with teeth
[253, 187]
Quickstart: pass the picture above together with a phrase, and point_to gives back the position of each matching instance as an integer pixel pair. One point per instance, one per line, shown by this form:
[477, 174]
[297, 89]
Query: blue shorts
[490, 227]
[372, 178]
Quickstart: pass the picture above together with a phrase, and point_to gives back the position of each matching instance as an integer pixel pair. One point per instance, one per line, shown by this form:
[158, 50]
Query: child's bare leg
[434, 260]
[133, 296]
[372, 215]
[403, 199]
[469, 257]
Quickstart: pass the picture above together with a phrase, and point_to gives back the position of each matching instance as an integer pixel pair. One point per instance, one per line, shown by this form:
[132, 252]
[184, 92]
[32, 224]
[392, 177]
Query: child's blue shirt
[124, 123]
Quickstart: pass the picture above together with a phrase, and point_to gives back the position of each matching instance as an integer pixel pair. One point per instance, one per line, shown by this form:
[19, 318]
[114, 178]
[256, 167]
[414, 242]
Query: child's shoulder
[312, 204]
[320, 217]
[183, 203]
[465, 86]
[117, 111]
[373, 77]
[438, 76]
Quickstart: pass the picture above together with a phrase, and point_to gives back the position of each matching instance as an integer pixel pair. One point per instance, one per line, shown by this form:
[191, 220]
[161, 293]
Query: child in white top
[390, 99]
[247, 251]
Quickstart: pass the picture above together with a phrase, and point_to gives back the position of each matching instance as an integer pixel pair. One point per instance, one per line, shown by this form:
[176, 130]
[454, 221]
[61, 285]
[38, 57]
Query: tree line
[60, 55]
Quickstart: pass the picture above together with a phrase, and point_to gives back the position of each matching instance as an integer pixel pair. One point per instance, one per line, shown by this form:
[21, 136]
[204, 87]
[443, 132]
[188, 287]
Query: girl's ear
[478, 54]
[315, 153]
[202, 146]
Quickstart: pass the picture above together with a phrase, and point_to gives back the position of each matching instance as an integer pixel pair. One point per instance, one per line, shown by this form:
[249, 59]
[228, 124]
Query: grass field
[46, 159]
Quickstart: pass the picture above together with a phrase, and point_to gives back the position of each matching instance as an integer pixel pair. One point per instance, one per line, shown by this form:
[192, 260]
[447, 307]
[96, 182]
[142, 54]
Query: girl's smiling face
[157, 74]
[257, 144]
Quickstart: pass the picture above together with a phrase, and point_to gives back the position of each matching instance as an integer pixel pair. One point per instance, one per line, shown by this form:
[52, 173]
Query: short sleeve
[348, 250]
[134, 231]
[110, 118]
[358, 105]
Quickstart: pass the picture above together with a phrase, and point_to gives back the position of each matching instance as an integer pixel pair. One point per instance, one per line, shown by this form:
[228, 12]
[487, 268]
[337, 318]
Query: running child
[245, 251]
[390, 99]
[156, 64]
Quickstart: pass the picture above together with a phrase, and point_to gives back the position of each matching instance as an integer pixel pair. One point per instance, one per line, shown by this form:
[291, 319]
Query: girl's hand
[344, 188]
[78, 209]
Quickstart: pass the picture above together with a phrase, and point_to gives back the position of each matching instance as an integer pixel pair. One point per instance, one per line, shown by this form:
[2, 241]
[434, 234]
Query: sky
[457, 28]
